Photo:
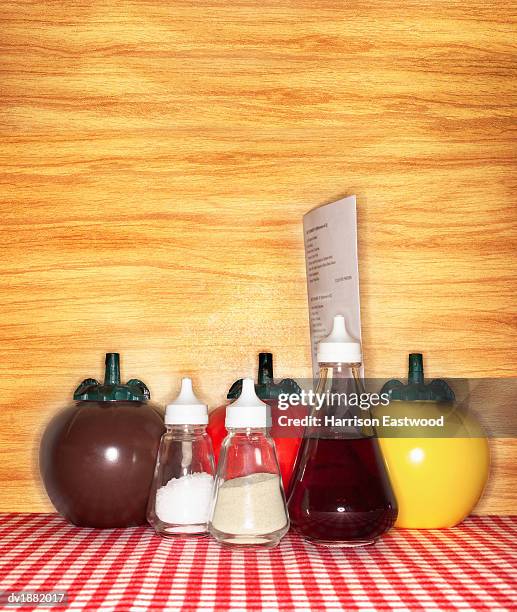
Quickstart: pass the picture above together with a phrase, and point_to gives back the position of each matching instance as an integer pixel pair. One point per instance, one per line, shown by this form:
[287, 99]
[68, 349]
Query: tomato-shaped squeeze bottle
[438, 473]
[97, 456]
[340, 494]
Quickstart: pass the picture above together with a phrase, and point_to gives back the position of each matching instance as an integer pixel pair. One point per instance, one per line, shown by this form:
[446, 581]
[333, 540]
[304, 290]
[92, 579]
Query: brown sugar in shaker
[97, 456]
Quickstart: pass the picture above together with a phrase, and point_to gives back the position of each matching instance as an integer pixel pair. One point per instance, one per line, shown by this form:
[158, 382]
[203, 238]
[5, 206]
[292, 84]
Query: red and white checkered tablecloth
[473, 567]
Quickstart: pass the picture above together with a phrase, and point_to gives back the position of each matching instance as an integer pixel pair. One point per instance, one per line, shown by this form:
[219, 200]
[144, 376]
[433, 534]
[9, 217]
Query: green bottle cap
[90, 390]
[416, 390]
[266, 388]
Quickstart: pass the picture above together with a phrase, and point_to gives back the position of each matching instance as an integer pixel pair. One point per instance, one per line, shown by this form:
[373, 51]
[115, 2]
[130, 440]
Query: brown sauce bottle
[97, 456]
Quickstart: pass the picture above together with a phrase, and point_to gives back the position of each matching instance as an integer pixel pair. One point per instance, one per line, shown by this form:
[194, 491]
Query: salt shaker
[181, 493]
[248, 505]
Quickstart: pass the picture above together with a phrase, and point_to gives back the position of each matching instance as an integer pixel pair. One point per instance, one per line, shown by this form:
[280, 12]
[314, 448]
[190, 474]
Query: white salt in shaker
[179, 502]
[249, 506]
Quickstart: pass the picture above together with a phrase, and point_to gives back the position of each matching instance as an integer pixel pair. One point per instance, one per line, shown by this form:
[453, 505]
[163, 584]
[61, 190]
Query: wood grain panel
[157, 158]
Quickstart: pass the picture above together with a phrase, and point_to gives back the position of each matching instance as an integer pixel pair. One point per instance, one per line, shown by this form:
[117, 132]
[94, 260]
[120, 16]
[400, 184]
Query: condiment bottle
[97, 456]
[340, 492]
[248, 506]
[438, 474]
[181, 493]
[268, 391]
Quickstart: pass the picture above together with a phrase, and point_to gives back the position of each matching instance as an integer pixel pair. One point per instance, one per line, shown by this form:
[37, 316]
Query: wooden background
[156, 161]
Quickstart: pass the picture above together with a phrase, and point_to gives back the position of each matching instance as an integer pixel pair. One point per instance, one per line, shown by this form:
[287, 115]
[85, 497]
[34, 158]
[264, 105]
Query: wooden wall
[156, 161]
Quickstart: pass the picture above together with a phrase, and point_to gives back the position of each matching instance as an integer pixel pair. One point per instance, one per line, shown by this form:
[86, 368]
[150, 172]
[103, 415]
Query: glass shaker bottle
[340, 491]
[181, 493]
[248, 506]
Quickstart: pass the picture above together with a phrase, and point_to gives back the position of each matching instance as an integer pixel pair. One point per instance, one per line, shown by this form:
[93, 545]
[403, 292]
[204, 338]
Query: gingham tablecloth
[472, 566]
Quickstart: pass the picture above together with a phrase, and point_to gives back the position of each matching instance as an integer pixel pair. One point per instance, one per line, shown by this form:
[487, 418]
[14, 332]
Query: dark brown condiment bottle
[97, 456]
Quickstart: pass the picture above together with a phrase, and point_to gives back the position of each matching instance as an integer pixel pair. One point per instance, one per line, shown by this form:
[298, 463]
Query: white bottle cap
[186, 409]
[248, 410]
[339, 346]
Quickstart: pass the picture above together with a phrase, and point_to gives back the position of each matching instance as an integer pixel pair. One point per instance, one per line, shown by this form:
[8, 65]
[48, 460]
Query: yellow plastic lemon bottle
[438, 472]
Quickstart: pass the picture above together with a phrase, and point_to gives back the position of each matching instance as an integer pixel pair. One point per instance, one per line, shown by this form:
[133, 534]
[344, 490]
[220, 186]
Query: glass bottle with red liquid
[340, 491]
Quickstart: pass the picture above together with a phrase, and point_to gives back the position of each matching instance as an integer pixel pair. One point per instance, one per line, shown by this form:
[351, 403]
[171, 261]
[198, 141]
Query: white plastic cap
[248, 410]
[186, 409]
[339, 346]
